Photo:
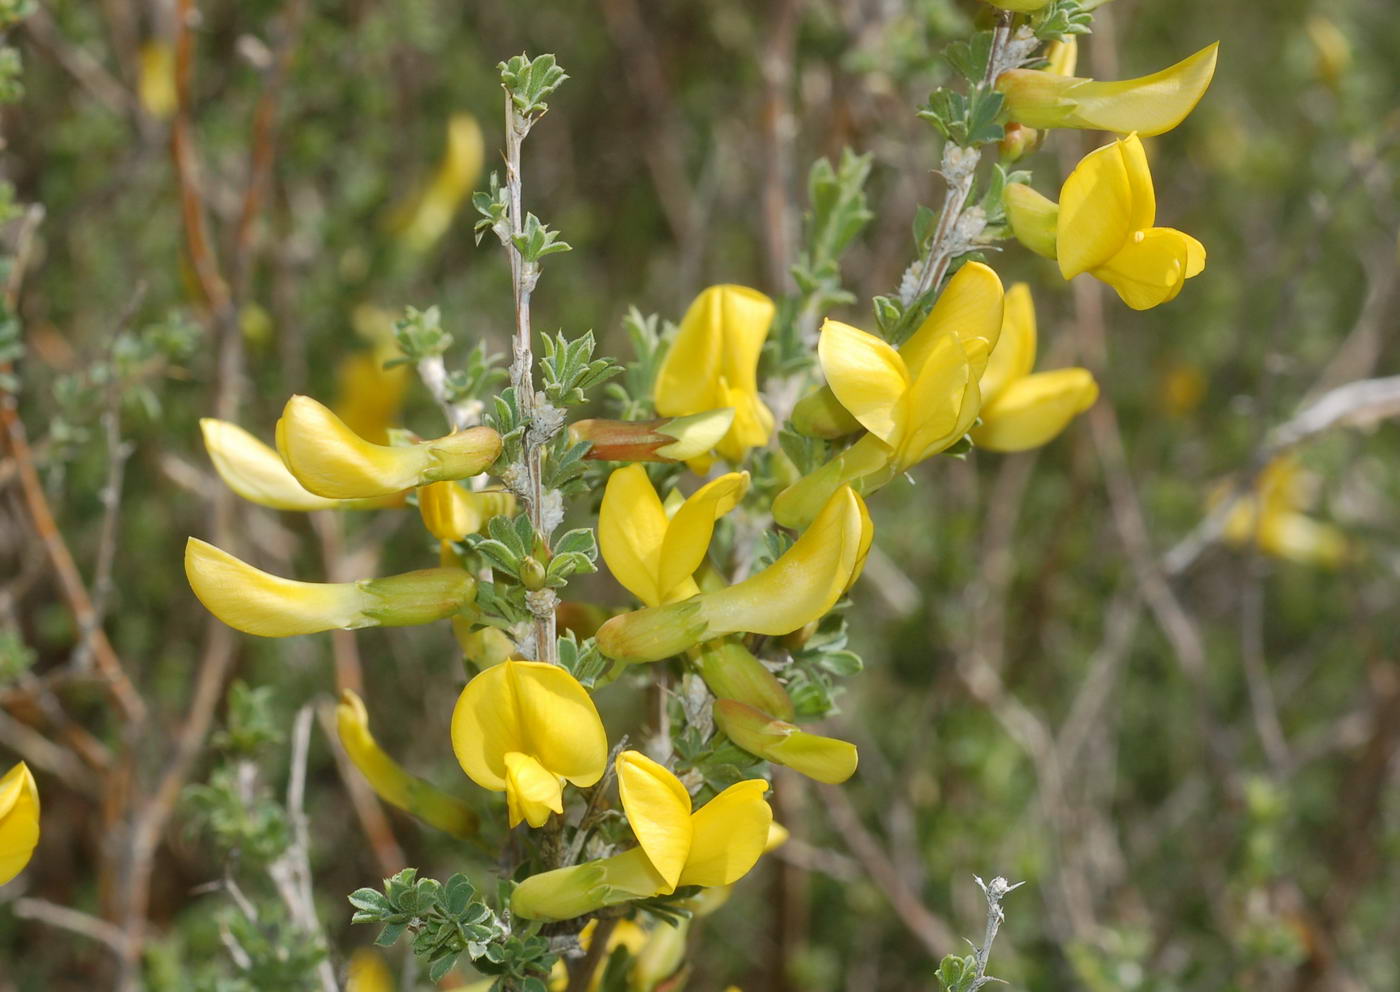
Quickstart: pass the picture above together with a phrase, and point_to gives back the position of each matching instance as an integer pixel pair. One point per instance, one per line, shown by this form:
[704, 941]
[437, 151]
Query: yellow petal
[688, 535]
[1300, 538]
[330, 459]
[1152, 267]
[1106, 199]
[255, 471]
[658, 810]
[631, 529]
[255, 602]
[1034, 218]
[368, 972]
[937, 404]
[777, 836]
[866, 374]
[19, 820]
[1063, 55]
[1034, 409]
[1149, 104]
[369, 396]
[1014, 355]
[825, 759]
[389, 779]
[969, 307]
[532, 793]
[536, 709]
[728, 835]
[803, 584]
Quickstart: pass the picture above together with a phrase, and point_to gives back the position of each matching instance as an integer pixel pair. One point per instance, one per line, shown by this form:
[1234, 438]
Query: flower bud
[675, 439]
[389, 780]
[19, 820]
[330, 459]
[732, 672]
[822, 758]
[1019, 141]
[1033, 218]
[255, 602]
[451, 513]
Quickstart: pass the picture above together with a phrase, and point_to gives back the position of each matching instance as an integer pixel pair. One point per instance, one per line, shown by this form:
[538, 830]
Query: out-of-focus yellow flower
[255, 602]
[451, 512]
[1105, 228]
[155, 86]
[825, 759]
[1273, 517]
[801, 586]
[914, 402]
[652, 552]
[369, 397]
[524, 728]
[1062, 56]
[714, 845]
[368, 972]
[389, 779]
[713, 363]
[330, 459]
[1022, 409]
[1103, 225]
[660, 956]
[1331, 47]
[257, 473]
[19, 820]
[1181, 388]
[427, 214]
[625, 933]
[674, 439]
[1044, 98]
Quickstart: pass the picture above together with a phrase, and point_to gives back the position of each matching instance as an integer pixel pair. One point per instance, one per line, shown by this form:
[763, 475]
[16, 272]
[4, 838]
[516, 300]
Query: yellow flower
[1273, 517]
[801, 586]
[368, 972]
[714, 845]
[660, 956]
[652, 552]
[1149, 105]
[256, 472]
[369, 396]
[155, 86]
[330, 459]
[451, 512]
[713, 363]
[825, 759]
[19, 820]
[524, 728]
[914, 402]
[1021, 409]
[625, 933]
[251, 600]
[388, 778]
[1105, 228]
[427, 215]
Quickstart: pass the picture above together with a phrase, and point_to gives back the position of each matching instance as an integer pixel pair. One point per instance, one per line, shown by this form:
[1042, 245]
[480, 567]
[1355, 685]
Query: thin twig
[71, 920]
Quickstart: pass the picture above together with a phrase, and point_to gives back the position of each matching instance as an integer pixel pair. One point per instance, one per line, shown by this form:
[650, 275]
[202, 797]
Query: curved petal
[1014, 355]
[532, 793]
[658, 809]
[970, 306]
[867, 375]
[866, 466]
[1149, 104]
[19, 820]
[1033, 410]
[1151, 268]
[559, 721]
[729, 834]
[486, 726]
[631, 529]
[936, 402]
[1034, 218]
[256, 602]
[255, 471]
[746, 315]
[688, 535]
[1104, 201]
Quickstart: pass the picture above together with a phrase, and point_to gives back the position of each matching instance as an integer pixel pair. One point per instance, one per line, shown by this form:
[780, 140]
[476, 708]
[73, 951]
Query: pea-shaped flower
[525, 728]
[714, 845]
[651, 551]
[1022, 409]
[1149, 105]
[1103, 225]
[713, 363]
[330, 459]
[19, 820]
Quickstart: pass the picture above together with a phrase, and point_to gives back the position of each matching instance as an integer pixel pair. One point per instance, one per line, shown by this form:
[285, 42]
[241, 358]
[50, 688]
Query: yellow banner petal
[1099, 208]
[970, 307]
[688, 534]
[728, 835]
[631, 528]
[658, 809]
[867, 375]
[19, 820]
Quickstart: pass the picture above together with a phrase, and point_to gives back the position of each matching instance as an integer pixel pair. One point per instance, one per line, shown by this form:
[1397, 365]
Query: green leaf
[529, 81]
